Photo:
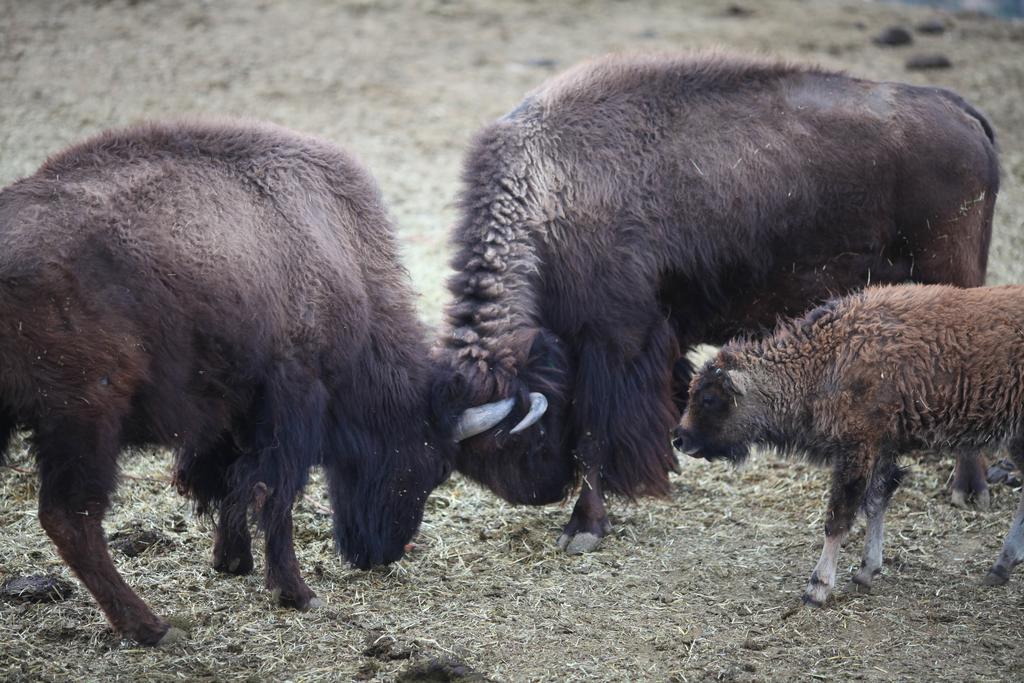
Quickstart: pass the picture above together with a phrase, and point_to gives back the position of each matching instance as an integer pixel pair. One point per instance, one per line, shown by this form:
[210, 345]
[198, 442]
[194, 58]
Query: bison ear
[737, 382]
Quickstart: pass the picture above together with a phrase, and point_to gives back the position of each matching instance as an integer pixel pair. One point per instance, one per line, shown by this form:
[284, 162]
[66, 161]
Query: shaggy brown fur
[862, 380]
[234, 293]
[636, 206]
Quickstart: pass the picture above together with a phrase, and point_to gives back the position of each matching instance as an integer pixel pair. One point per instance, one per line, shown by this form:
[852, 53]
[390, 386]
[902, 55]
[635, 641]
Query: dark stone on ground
[931, 27]
[133, 542]
[1004, 472]
[441, 671]
[738, 11]
[936, 61]
[893, 37]
[37, 588]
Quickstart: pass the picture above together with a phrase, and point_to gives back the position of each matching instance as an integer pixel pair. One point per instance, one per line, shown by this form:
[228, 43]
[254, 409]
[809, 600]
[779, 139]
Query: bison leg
[73, 499]
[624, 413]
[232, 543]
[969, 480]
[283, 577]
[1013, 546]
[849, 481]
[883, 484]
[589, 522]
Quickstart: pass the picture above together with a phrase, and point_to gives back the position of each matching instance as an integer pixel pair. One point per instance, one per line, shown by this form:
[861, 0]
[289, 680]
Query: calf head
[721, 415]
[509, 435]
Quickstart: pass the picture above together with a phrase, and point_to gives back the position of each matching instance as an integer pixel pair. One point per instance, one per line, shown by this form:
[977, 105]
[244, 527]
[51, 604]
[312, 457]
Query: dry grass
[702, 586]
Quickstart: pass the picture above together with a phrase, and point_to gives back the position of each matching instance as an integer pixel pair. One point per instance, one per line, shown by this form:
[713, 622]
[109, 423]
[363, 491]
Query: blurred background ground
[702, 586]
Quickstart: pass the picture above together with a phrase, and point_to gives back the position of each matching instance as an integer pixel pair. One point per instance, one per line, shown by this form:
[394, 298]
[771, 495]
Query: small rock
[931, 27]
[893, 36]
[38, 588]
[738, 11]
[542, 62]
[936, 61]
[134, 542]
[691, 634]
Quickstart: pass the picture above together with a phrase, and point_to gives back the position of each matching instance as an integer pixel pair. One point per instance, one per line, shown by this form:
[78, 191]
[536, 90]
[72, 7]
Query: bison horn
[478, 420]
[538, 404]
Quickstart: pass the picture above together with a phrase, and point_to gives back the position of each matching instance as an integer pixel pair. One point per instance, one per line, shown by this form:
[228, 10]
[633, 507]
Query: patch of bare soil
[703, 586]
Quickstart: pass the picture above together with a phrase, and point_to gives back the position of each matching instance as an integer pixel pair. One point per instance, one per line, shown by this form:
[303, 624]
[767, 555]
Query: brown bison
[636, 206]
[861, 380]
[231, 292]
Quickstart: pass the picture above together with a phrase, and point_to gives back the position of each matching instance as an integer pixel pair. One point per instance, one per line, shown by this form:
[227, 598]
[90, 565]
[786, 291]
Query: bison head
[719, 422]
[508, 427]
[378, 500]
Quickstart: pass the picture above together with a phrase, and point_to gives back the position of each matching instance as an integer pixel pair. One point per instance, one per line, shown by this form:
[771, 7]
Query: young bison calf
[859, 381]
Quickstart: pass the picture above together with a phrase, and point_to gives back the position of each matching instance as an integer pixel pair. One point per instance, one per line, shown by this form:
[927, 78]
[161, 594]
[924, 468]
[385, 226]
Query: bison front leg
[283, 577]
[884, 483]
[849, 480]
[232, 543]
[969, 481]
[623, 413]
[589, 523]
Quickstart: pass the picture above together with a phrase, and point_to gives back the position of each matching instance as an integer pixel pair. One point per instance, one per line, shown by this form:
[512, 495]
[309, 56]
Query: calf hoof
[863, 578]
[811, 601]
[997, 576]
[817, 591]
[983, 500]
[583, 542]
[172, 637]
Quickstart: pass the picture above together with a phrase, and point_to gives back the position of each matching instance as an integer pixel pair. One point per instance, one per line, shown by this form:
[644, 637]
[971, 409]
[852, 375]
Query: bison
[636, 206]
[233, 292]
[861, 380]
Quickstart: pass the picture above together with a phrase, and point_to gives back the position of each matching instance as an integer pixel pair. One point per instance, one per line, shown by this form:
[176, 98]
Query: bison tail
[985, 125]
[971, 111]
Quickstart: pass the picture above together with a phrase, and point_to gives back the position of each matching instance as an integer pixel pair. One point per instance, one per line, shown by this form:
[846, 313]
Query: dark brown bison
[231, 292]
[638, 205]
[861, 380]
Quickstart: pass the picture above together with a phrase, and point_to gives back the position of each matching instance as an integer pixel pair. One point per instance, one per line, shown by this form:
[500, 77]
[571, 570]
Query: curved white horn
[538, 404]
[481, 418]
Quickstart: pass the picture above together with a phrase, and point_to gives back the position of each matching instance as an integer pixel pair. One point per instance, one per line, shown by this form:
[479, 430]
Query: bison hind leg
[969, 481]
[1013, 546]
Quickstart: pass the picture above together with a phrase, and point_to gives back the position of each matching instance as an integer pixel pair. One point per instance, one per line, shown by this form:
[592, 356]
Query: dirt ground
[703, 586]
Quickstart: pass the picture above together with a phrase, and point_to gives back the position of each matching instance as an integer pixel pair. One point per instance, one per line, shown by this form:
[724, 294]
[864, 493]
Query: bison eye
[708, 400]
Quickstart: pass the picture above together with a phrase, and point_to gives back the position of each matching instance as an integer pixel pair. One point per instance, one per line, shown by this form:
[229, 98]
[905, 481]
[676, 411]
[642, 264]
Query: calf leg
[1013, 546]
[77, 473]
[969, 481]
[589, 522]
[849, 481]
[883, 484]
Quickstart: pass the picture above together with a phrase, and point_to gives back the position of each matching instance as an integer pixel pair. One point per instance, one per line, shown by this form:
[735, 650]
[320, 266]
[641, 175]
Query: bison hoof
[172, 637]
[997, 576]
[301, 602]
[980, 499]
[583, 542]
[236, 566]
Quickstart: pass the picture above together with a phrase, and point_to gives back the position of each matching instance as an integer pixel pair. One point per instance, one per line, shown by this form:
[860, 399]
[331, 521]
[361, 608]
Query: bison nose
[683, 442]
